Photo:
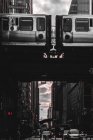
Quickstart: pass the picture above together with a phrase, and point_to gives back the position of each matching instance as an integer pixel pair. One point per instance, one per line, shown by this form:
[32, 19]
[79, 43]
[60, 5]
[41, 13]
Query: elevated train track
[25, 39]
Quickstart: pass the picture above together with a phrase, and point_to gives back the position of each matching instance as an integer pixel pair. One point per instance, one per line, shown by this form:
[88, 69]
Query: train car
[25, 30]
[74, 30]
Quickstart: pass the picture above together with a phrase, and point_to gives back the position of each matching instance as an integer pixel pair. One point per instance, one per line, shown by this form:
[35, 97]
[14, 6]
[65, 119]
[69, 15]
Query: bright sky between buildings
[52, 7]
[44, 98]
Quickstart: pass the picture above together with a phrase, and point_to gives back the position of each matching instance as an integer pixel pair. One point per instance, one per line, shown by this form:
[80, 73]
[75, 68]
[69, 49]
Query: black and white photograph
[46, 69]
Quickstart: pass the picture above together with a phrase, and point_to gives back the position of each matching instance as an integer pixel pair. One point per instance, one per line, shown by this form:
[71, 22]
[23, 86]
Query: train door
[40, 29]
[67, 29]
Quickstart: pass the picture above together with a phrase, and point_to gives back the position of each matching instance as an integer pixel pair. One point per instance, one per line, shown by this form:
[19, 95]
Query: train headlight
[67, 37]
[11, 28]
[40, 36]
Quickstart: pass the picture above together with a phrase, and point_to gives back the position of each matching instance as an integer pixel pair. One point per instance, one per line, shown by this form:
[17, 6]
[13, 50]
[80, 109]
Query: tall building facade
[58, 102]
[81, 7]
[87, 112]
[67, 103]
[4, 6]
[16, 6]
[35, 103]
[49, 115]
[75, 105]
[72, 103]
[24, 101]
[28, 102]
[20, 6]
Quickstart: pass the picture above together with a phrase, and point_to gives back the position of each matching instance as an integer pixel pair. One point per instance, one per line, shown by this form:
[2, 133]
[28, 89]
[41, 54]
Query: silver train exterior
[74, 30]
[25, 29]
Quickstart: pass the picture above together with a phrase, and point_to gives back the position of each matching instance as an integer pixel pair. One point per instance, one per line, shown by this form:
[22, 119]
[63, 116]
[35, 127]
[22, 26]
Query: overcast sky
[52, 7]
[44, 98]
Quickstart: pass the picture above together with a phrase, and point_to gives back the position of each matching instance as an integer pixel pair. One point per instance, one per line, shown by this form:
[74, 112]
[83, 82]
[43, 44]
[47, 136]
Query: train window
[82, 24]
[26, 23]
[40, 24]
[5, 22]
[67, 24]
[91, 22]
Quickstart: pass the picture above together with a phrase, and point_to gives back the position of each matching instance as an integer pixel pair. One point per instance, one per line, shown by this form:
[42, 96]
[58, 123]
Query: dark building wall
[75, 105]
[68, 103]
[0, 6]
[49, 114]
[24, 101]
[80, 106]
[35, 102]
[80, 7]
[64, 113]
[92, 7]
[60, 92]
[8, 106]
[83, 7]
[57, 101]
[87, 115]
[73, 7]
[20, 6]
[4, 6]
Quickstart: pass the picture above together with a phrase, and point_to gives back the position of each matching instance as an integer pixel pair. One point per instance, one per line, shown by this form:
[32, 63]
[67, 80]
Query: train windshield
[82, 24]
[5, 23]
[26, 24]
[67, 24]
[40, 24]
